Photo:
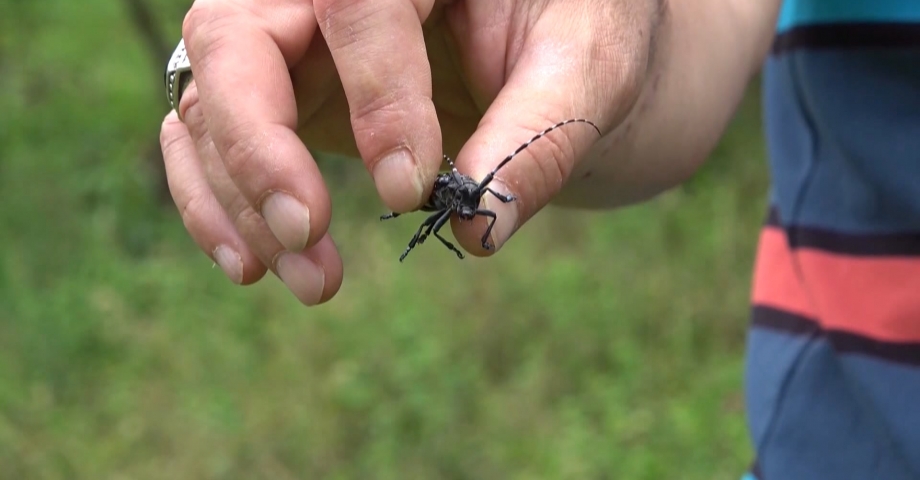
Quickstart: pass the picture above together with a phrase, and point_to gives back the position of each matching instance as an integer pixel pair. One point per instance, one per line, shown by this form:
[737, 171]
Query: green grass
[595, 346]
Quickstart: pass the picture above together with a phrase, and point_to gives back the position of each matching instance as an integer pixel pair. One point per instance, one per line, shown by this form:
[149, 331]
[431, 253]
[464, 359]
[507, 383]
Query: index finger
[241, 52]
[379, 51]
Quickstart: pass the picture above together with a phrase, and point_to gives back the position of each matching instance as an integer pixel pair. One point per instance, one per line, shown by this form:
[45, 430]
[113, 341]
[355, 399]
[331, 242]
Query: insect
[456, 193]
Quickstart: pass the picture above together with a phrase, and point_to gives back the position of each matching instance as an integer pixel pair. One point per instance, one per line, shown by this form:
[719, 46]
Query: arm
[705, 55]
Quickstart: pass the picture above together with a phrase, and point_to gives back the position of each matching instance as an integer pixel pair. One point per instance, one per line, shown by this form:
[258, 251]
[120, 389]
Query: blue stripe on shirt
[820, 420]
[795, 13]
[844, 139]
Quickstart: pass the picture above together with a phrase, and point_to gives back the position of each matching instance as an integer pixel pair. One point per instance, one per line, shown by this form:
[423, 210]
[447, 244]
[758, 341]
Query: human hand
[356, 77]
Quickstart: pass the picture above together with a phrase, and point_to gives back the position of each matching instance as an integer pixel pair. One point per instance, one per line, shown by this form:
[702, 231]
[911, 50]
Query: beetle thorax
[466, 198]
[458, 193]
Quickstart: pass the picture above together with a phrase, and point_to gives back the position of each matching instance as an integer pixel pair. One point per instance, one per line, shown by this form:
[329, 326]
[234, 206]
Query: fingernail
[230, 262]
[288, 219]
[398, 179]
[506, 222]
[303, 278]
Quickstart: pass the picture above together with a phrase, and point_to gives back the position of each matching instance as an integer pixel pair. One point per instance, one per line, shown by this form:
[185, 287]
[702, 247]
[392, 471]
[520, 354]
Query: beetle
[456, 193]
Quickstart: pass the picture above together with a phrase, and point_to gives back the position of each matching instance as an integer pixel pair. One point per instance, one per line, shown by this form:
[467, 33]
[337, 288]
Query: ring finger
[202, 214]
[313, 275]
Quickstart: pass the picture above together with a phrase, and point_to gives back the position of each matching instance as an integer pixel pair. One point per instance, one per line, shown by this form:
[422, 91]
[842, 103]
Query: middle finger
[379, 51]
[313, 275]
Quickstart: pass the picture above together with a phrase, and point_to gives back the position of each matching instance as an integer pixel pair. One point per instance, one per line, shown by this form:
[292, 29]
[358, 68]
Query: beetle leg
[503, 198]
[415, 238]
[485, 238]
[389, 216]
[437, 226]
[428, 230]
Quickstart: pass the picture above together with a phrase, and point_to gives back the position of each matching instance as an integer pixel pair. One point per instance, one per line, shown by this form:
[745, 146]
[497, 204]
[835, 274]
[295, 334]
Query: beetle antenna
[450, 163]
[488, 178]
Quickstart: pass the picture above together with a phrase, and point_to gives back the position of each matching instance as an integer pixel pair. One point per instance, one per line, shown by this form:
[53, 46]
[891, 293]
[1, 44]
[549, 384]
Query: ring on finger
[177, 77]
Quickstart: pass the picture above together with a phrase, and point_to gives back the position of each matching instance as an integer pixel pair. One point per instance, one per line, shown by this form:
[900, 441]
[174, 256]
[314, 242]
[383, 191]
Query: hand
[355, 77]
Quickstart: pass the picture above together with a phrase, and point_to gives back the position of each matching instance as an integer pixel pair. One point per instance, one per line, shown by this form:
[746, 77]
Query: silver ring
[177, 77]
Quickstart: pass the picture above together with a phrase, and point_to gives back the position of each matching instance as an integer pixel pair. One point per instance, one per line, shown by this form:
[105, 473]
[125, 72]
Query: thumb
[501, 197]
[551, 83]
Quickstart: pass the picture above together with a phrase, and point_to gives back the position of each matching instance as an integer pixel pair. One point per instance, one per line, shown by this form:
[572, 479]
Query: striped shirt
[833, 365]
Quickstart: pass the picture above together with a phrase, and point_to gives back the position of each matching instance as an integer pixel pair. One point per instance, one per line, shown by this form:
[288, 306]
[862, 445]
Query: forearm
[705, 54]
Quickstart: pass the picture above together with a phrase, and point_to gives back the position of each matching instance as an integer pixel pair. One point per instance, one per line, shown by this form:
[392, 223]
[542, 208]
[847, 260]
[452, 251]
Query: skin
[394, 81]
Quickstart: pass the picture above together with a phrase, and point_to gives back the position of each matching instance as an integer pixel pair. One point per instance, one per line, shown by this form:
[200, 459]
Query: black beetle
[456, 193]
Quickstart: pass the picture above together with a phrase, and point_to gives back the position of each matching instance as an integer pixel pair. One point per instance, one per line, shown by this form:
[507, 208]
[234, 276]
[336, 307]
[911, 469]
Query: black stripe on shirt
[848, 36]
[904, 244]
[844, 342]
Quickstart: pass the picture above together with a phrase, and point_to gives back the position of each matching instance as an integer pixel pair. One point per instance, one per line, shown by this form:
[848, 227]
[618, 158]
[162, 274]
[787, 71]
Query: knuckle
[171, 135]
[189, 100]
[193, 18]
[197, 18]
[206, 28]
[201, 137]
[332, 12]
[194, 118]
[392, 118]
[381, 108]
[391, 110]
[196, 209]
[561, 153]
[554, 152]
[348, 23]
[251, 225]
[240, 149]
[346, 12]
[549, 159]
[202, 15]
[551, 167]
[624, 66]
[556, 167]
[246, 218]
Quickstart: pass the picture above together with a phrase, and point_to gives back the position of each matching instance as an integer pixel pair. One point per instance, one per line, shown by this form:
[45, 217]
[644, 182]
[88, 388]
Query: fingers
[202, 214]
[313, 275]
[591, 76]
[379, 51]
[240, 52]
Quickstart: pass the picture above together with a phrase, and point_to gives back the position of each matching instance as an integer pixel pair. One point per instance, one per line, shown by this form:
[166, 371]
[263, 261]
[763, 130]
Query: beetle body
[457, 194]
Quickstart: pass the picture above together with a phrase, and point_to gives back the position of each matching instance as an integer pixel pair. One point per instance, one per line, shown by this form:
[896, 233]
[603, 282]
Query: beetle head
[467, 200]
[466, 213]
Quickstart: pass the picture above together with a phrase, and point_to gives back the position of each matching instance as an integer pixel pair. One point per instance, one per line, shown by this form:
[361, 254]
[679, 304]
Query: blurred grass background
[595, 346]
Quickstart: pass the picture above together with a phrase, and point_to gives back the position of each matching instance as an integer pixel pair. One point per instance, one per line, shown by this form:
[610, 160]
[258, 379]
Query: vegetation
[595, 345]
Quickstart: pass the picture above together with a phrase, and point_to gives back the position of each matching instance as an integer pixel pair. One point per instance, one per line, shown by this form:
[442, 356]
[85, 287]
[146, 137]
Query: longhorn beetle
[457, 193]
